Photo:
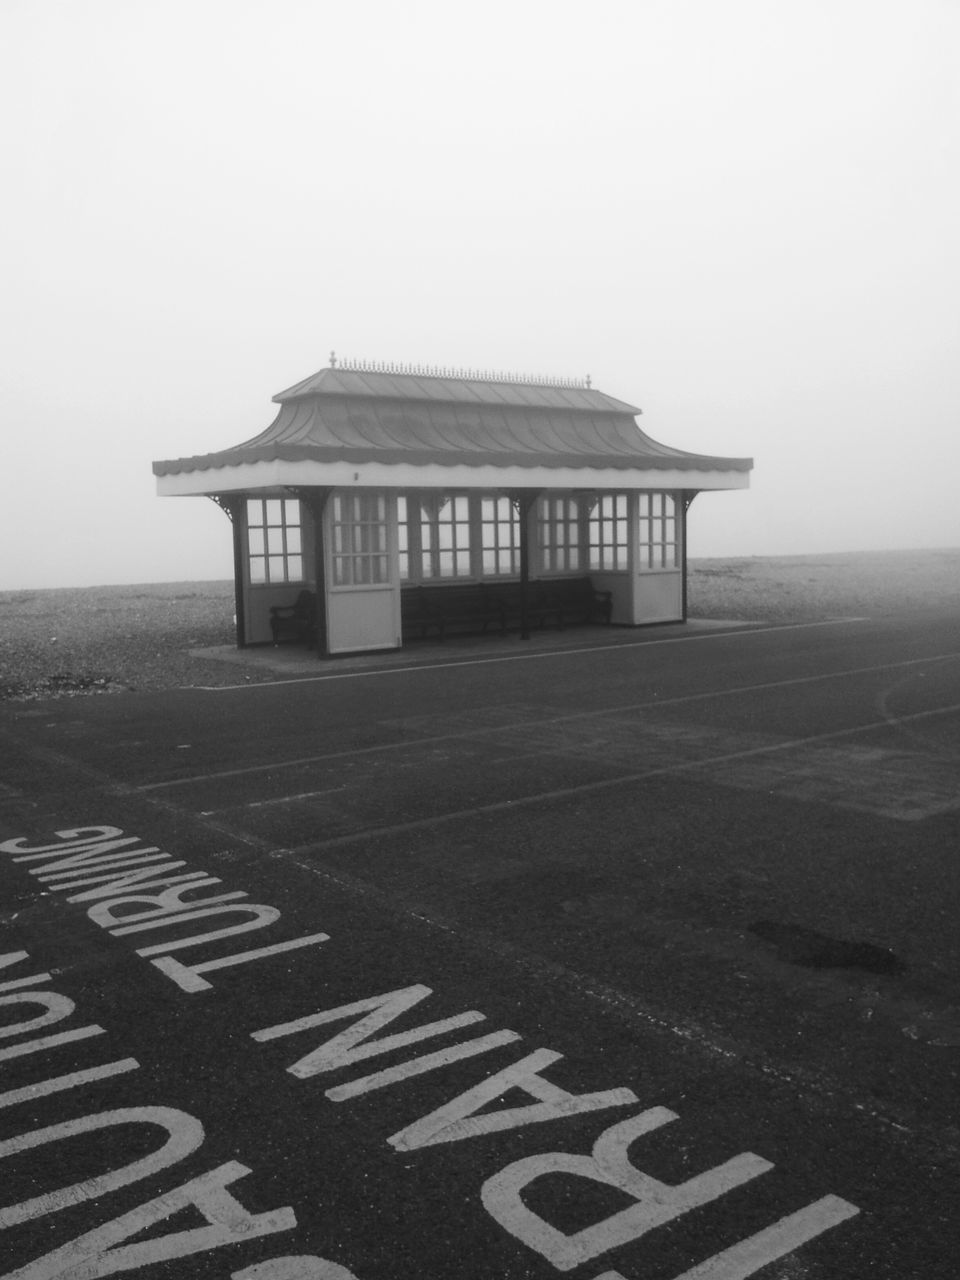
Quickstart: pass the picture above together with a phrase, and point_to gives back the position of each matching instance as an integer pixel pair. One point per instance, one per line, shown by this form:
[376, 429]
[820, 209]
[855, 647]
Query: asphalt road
[636, 958]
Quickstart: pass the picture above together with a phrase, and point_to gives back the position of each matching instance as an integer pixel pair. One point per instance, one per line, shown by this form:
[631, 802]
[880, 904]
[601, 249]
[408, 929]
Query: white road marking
[263, 916]
[186, 976]
[173, 911]
[458, 1118]
[58, 1083]
[749, 1256]
[302, 1267]
[263, 804]
[184, 1136]
[655, 1202]
[12, 984]
[96, 1253]
[73, 836]
[49, 1042]
[487, 730]
[419, 1066]
[57, 1008]
[19, 983]
[354, 1044]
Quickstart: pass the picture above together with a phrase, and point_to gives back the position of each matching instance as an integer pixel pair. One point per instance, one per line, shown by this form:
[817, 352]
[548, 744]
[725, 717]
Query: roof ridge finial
[409, 368]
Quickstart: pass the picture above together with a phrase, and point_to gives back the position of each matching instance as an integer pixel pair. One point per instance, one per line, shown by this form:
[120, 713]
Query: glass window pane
[275, 568]
[293, 539]
[258, 570]
[274, 509]
[255, 540]
[294, 569]
[275, 541]
[254, 511]
[291, 511]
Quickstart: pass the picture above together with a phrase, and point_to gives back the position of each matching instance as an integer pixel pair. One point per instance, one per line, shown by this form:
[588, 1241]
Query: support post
[687, 496]
[315, 500]
[232, 505]
[523, 500]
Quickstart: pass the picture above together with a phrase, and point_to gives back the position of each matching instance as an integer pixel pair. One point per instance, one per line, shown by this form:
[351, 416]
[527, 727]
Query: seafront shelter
[384, 497]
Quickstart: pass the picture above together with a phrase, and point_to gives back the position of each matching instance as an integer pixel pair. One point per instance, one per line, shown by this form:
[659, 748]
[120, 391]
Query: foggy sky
[739, 215]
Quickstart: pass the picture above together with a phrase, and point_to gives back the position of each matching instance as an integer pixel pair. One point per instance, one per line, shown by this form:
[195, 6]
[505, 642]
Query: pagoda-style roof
[388, 418]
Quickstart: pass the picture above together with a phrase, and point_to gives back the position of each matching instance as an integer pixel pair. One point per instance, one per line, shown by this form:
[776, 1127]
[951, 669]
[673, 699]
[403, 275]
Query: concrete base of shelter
[292, 660]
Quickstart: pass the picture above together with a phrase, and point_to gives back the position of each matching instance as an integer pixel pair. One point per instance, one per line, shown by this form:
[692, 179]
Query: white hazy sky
[740, 214]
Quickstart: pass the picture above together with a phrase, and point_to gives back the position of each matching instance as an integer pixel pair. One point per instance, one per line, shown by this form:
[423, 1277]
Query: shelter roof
[453, 387]
[361, 415]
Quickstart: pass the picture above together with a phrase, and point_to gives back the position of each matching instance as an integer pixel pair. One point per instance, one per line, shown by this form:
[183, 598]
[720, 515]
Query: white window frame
[499, 522]
[274, 531]
[658, 531]
[359, 539]
[560, 540]
[608, 533]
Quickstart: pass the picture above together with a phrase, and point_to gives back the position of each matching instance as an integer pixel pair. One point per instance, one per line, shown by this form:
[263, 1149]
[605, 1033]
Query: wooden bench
[295, 622]
[467, 606]
[541, 609]
[572, 600]
[475, 606]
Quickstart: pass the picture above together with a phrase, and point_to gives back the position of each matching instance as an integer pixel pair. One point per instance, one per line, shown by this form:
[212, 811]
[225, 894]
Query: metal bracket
[229, 504]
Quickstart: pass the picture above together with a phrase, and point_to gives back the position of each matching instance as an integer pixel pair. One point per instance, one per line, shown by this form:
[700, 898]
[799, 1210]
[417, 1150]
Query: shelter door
[362, 580]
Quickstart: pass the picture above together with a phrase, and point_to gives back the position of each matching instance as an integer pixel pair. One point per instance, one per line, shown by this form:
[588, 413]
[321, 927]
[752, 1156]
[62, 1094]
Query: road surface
[633, 958]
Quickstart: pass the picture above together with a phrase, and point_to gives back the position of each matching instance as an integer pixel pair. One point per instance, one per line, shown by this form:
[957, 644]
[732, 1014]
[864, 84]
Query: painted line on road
[606, 784]
[743, 628]
[263, 804]
[594, 713]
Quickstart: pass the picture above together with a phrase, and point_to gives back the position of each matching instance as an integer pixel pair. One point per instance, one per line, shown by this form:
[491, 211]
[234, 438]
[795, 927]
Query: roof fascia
[252, 476]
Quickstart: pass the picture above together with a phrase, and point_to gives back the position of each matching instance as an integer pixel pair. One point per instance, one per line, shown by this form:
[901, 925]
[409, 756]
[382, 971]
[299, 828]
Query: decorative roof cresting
[443, 371]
